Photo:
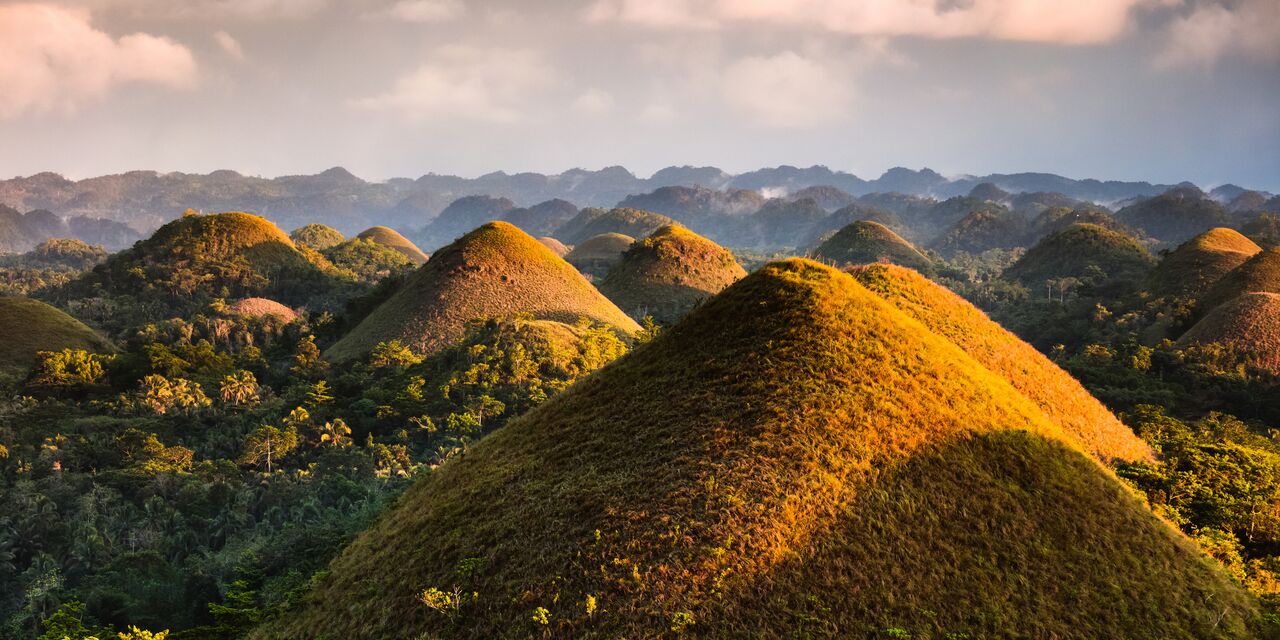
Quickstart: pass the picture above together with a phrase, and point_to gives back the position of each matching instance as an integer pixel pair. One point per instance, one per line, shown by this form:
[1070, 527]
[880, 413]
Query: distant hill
[796, 458]
[1054, 219]
[543, 218]
[1260, 273]
[669, 273]
[317, 236]
[389, 237]
[1085, 251]
[864, 242]
[1264, 229]
[259, 307]
[993, 227]
[593, 222]
[845, 216]
[1175, 216]
[596, 255]
[30, 326]
[783, 223]
[554, 245]
[495, 270]
[21, 232]
[461, 216]
[1249, 324]
[1197, 264]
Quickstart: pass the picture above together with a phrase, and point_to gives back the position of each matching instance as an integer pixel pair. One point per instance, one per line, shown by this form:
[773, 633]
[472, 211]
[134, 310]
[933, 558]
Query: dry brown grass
[595, 256]
[669, 273]
[554, 245]
[258, 307]
[1249, 323]
[1260, 273]
[1197, 264]
[389, 237]
[496, 270]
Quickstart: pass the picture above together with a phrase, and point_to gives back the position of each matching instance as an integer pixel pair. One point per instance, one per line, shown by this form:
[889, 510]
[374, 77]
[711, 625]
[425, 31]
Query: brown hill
[495, 270]
[1194, 267]
[388, 237]
[669, 273]
[259, 307]
[597, 255]
[554, 245]
[1260, 273]
[1249, 323]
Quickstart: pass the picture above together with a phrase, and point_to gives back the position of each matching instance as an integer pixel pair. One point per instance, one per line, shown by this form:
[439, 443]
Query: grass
[554, 245]
[1058, 395]
[496, 270]
[1082, 251]
[258, 307]
[796, 458]
[627, 221]
[669, 273]
[389, 237]
[29, 326]
[865, 241]
[1260, 273]
[598, 254]
[317, 236]
[1249, 323]
[1197, 264]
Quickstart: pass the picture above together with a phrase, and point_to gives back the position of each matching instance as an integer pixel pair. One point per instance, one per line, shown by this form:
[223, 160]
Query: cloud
[1212, 31]
[53, 59]
[492, 85]
[1080, 22]
[786, 90]
[593, 102]
[229, 45]
[423, 10]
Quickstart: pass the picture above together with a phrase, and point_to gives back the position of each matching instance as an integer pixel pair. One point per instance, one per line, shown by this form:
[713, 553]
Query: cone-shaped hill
[1083, 251]
[554, 245]
[28, 326]
[595, 256]
[1260, 273]
[1057, 394]
[496, 270]
[797, 457]
[261, 307]
[389, 237]
[669, 273]
[317, 236]
[636, 223]
[1249, 323]
[864, 242]
[1198, 263]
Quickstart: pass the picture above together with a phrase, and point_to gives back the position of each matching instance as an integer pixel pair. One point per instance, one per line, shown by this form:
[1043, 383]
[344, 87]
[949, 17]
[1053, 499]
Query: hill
[864, 241]
[1175, 216]
[317, 236]
[784, 223]
[1057, 394]
[1249, 324]
[543, 218]
[554, 245]
[495, 270]
[259, 307]
[593, 222]
[1054, 219]
[598, 254]
[388, 237]
[1194, 267]
[30, 326]
[461, 216]
[669, 273]
[796, 458]
[992, 227]
[1260, 273]
[1084, 251]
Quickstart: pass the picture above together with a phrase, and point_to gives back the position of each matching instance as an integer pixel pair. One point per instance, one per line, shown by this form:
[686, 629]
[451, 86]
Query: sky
[1159, 90]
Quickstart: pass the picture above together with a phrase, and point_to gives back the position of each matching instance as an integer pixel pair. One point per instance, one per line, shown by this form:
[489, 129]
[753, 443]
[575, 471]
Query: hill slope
[1082, 251]
[29, 326]
[596, 255]
[669, 273]
[796, 458]
[1175, 216]
[495, 270]
[593, 222]
[864, 241]
[1198, 263]
[1260, 273]
[1249, 323]
[389, 237]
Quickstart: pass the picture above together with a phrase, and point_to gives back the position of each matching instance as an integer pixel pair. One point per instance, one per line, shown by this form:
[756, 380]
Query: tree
[161, 395]
[306, 360]
[334, 434]
[239, 388]
[267, 443]
[69, 367]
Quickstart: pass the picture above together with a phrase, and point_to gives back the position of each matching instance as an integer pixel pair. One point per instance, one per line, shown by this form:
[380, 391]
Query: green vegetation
[368, 261]
[990, 227]
[1084, 253]
[30, 326]
[864, 242]
[669, 273]
[317, 236]
[1175, 216]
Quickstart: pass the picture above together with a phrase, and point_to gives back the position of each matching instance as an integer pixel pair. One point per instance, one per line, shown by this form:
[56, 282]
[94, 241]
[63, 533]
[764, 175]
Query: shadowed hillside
[1260, 273]
[668, 273]
[1248, 324]
[593, 222]
[596, 255]
[1083, 251]
[1197, 264]
[28, 326]
[864, 241]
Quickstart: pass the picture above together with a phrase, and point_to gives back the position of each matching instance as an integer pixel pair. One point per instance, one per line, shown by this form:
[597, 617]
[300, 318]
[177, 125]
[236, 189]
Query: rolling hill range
[1249, 324]
[593, 222]
[1197, 264]
[669, 273]
[29, 326]
[797, 457]
[864, 242]
[495, 270]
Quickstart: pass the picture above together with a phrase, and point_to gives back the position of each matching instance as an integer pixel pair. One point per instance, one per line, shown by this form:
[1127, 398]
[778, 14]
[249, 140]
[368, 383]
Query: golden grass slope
[669, 273]
[1260, 273]
[596, 255]
[495, 270]
[865, 241]
[1197, 264]
[1248, 323]
[28, 326]
[258, 307]
[1058, 395]
[389, 237]
[796, 458]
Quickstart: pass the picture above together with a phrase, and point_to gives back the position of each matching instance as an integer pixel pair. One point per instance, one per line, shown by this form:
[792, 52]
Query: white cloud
[53, 59]
[650, 13]
[206, 9]
[658, 113]
[423, 10]
[593, 102]
[1212, 31]
[488, 84]
[229, 45]
[787, 90]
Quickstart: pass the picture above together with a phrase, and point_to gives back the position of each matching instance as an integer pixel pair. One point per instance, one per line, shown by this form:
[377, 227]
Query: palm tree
[239, 388]
[334, 434]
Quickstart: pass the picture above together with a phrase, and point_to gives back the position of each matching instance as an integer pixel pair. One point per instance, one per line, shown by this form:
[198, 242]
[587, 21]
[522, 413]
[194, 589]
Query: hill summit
[495, 270]
[1250, 324]
[389, 237]
[668, 273]
[30, 326]
[1260, 273]
[1082, 251]
[865, 241]
[1198, 263]
[797, 457]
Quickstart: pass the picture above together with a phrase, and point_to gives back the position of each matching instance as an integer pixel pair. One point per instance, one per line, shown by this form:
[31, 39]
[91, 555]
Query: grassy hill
[992, 227]
[317, 236]
[669, 273]
[554, 245]
[596, 255]
[29, 326]
[1260, 273]
[1175, 216]
[388, 237]
[495, 270]
[1194, 267]
[864, 241]
[1085, 251]
[593, 222]
[1057, 394]
[1249, 324]
[796, 458]
[258, 307]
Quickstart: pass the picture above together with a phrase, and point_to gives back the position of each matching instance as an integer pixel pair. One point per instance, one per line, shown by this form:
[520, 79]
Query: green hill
[669, 273]
[796, 458]
[596, 255]
[388, 237]
[1175, 216]
[991, 227]
[864, 242]
[593, 222]
[1085, 251]
[317, 236]
[495, 270]
[1194, 267]
[1249, 324]
[29, 326]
